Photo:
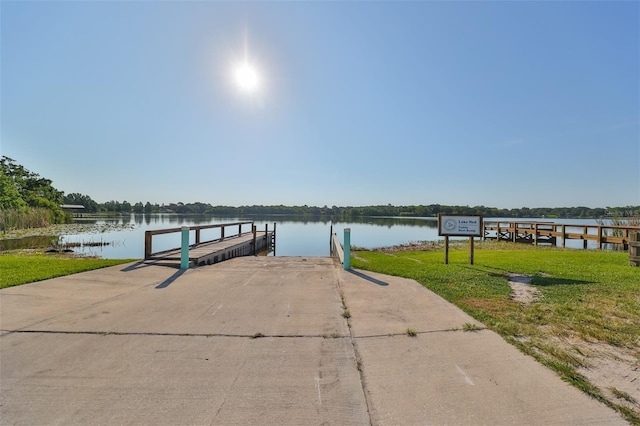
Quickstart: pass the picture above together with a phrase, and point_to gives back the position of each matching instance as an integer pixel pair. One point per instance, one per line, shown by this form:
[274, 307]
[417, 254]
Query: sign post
[446, 249]
[459, 226]
[471, 249]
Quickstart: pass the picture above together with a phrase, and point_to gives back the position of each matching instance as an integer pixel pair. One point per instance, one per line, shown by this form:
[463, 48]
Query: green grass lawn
[21, 267]
[587, 296]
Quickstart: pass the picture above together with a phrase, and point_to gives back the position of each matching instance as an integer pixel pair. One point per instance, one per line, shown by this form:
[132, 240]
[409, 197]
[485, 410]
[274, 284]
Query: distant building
[75, 209]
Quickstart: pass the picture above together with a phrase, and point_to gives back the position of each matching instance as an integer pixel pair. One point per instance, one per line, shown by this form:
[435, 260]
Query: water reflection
[28, 242]
[420, 222]
[203, 219]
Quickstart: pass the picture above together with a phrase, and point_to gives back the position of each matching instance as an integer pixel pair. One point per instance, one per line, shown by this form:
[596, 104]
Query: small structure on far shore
[75, 209]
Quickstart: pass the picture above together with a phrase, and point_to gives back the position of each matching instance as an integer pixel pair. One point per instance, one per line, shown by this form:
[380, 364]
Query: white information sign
[460, 226]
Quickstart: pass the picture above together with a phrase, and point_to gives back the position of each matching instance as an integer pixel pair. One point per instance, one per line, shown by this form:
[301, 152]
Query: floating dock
[221, 248]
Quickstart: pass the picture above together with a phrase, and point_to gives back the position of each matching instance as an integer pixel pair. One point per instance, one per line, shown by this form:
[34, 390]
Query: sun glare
[246, 77]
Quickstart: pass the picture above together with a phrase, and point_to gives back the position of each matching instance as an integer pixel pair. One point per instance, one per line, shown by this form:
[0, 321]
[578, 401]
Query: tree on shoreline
[27, 199]
[90, 206]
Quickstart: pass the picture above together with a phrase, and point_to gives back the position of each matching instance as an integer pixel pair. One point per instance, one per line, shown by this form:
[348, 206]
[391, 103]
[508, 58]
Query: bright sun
[246, 77]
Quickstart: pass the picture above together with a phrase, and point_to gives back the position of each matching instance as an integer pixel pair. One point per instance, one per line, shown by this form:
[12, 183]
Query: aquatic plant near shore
[66, 229]
[60, 246]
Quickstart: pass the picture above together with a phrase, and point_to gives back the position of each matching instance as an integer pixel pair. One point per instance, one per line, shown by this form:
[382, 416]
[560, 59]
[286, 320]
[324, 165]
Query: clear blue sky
[504, 104]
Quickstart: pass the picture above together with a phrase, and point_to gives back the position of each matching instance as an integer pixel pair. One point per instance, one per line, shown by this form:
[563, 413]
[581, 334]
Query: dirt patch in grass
[521, 289]
[355, 256]
[615, 371]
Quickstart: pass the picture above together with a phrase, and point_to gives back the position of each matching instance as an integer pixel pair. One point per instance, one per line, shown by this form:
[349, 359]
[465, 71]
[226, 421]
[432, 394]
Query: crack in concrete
[356, 353]
[404, 333]
[251, 336]
[152, 333]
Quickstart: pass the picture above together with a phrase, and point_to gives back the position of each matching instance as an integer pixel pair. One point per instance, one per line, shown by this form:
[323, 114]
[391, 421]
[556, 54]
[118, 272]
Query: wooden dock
[222, 247]
[549, 233]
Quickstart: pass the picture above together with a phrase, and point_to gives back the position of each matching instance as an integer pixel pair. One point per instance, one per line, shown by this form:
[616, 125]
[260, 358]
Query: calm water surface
[295, 236]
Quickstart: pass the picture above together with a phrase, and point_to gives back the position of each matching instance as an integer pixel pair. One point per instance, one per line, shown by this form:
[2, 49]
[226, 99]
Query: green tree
[32, 188]
[35, 191]
[28, 199]
[111, 206]
[9, 195]
[90, 206]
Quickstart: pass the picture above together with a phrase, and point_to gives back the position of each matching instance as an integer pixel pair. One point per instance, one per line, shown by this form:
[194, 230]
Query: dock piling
[347, 249]
[634, 249]
[273, 239]
[254, 230]
[184, 248]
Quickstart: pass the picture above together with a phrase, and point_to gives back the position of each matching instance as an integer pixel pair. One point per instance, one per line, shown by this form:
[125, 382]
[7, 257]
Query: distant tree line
[349, 212]
[29, 200]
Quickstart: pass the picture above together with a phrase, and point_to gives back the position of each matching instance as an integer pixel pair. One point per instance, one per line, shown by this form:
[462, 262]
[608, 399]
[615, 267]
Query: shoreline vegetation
[28, 200]
[582, 318]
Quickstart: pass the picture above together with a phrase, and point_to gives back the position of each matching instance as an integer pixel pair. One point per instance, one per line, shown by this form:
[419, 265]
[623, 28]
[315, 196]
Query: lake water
[295, 236]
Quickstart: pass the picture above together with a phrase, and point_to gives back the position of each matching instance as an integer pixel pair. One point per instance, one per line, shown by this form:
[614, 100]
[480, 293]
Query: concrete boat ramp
[263, 340]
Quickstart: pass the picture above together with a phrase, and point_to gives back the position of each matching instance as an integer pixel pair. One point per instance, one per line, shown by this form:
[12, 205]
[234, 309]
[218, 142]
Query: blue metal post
[347, 249]
[184, 248]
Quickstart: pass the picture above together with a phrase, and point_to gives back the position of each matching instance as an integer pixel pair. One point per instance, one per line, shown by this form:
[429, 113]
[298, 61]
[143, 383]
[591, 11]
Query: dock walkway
[263, 340]
[549, 232]
[216, 251]
[220, 246]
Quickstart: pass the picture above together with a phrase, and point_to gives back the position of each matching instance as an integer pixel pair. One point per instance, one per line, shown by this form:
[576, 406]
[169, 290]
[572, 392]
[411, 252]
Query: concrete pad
[152, 345]
[178, 380]
[143, 344]
[28, 304]
[445, 375]
[242, 296]
[468, 378]
[381, 305]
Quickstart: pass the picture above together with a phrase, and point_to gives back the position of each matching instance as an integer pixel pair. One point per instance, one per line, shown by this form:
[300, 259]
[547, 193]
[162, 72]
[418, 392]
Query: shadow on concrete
[368, 278]
[146, 263]
[171, 279]
[133, 267]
